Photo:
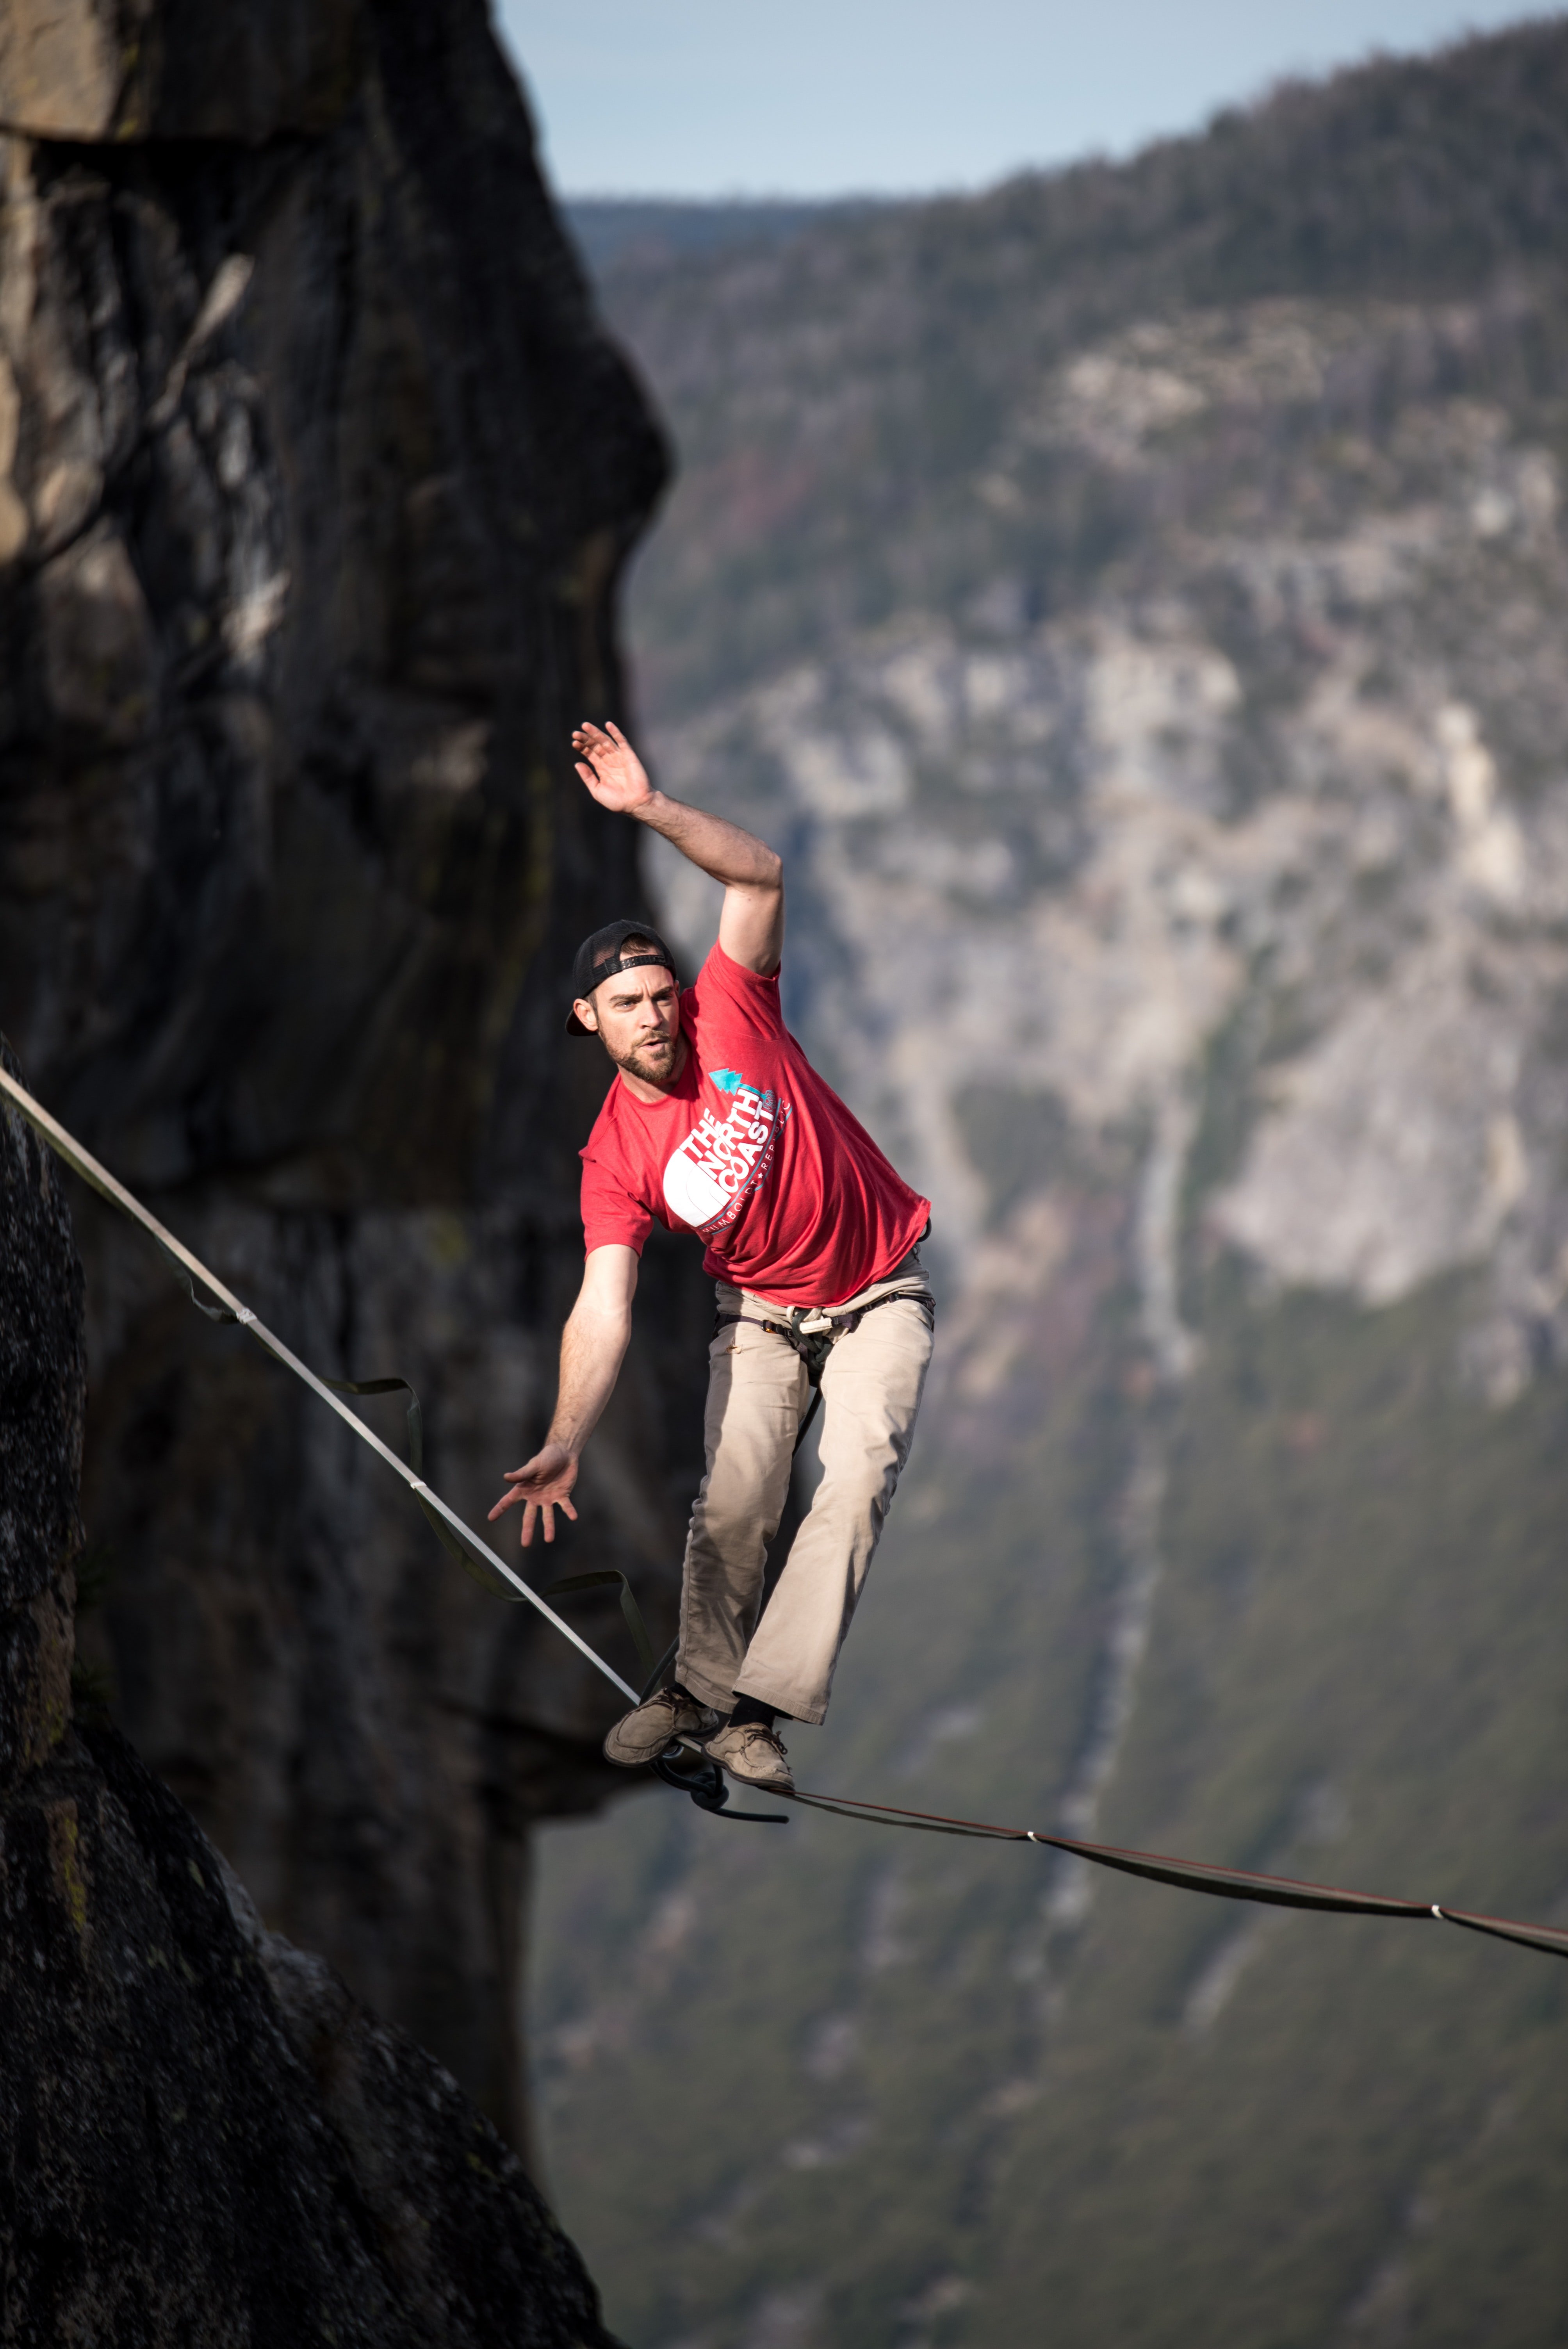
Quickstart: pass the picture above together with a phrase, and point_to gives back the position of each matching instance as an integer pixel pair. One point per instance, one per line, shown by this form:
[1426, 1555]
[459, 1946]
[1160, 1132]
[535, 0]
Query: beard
[655, 1063]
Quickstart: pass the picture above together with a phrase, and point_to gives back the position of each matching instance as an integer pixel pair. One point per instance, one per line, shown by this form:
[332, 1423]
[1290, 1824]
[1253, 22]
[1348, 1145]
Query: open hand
[541, 1485]
[610, 768]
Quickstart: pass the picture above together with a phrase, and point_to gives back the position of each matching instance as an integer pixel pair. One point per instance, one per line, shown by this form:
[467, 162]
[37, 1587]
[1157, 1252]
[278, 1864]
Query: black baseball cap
[600, 957]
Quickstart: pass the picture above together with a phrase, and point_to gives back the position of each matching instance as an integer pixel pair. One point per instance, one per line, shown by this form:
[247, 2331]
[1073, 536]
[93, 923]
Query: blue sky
[711, 98]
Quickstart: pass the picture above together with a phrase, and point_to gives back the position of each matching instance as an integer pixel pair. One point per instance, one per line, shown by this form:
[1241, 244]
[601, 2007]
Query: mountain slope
[838, 396]
[1135, 601]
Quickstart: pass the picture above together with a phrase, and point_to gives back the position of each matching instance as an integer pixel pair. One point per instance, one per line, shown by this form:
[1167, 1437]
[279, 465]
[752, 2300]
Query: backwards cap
[599, 958]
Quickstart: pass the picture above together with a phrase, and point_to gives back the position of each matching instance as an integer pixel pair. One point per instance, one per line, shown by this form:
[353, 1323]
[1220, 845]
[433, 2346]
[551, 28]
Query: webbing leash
[475, 1553]
[706, 1785]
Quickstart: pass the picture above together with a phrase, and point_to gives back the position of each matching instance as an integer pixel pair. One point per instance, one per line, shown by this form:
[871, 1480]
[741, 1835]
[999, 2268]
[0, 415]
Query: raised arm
[751, 926]
[593, 1346]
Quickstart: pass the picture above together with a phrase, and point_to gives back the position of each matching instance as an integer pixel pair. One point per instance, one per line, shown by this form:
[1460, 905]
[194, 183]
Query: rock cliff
[316, 478]
[205, 2135]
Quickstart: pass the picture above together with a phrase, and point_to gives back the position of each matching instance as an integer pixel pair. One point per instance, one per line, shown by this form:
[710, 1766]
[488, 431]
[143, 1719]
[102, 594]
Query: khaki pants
[756, 1394]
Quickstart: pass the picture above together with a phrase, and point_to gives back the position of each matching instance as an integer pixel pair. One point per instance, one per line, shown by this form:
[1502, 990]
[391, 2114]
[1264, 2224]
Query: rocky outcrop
[205, 2135]
[316, 477]
[42, 1377]
[93, 70]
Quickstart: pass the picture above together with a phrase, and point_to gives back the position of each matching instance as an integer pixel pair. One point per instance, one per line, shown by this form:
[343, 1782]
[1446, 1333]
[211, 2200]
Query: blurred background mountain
[1135, 601]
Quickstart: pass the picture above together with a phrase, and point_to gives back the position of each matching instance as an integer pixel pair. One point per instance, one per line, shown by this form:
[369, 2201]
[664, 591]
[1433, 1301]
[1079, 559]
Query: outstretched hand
[610, 768]
[541, 1485]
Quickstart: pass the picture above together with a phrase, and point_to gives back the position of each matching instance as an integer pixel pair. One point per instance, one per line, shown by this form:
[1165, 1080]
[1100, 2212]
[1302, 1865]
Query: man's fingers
[517, 1479]
[542, 1474]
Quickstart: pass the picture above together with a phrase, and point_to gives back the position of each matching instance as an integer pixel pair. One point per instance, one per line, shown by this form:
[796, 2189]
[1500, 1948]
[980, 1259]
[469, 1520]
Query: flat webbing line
[1194, 1875]
[81, 1162]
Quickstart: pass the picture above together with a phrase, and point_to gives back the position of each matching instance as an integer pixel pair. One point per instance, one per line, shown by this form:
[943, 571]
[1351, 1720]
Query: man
[717, 1123]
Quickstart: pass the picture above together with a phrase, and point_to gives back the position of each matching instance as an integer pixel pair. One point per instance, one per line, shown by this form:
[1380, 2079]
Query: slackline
[476, 1554]
[705, 1783]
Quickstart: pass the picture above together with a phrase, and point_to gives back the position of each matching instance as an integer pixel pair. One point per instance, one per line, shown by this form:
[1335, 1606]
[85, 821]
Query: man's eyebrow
[622, 992]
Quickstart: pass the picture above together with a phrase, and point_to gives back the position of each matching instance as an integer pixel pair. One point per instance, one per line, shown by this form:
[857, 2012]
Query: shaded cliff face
[206, 2136]
[1135, 602]
[42, 1375]
[317, 477]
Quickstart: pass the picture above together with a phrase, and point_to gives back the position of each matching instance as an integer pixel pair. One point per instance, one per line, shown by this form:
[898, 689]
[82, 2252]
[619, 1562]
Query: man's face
[637, 1017]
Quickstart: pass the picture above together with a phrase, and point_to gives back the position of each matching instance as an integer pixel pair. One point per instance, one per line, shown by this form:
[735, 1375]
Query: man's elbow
[604, 1321]
[602, 1314]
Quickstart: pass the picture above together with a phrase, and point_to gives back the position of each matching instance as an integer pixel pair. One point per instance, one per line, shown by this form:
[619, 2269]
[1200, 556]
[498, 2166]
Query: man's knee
[859, 1480]
[731, 1523]
[736, 1545]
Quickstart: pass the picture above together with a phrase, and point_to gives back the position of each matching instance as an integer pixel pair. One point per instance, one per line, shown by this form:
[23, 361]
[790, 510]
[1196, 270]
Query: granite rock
[42, 1376]
[317, 475]
[204, 2135]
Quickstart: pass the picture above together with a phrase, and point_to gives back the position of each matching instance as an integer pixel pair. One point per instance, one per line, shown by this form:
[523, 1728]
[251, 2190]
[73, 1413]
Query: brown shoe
[753, 1755]
[641, 1735]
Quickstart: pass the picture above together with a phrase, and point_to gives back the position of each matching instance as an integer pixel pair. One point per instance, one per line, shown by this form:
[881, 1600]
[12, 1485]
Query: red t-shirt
[752, 1152]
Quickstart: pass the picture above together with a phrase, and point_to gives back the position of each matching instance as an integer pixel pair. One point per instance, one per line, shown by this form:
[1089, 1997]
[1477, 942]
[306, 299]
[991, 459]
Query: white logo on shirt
[722, 1159]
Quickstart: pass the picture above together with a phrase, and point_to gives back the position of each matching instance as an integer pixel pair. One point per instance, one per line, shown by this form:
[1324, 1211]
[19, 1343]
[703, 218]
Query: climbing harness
[813, 1332]
[685, 1766]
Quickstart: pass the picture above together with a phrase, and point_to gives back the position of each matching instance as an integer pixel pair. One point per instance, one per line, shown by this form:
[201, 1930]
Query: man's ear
[588, 1016]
